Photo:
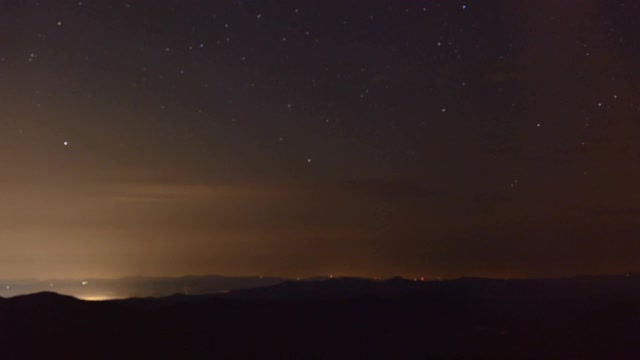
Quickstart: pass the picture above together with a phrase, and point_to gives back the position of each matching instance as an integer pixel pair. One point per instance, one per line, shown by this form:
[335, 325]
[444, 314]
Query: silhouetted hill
[573, 318]
[44, 297]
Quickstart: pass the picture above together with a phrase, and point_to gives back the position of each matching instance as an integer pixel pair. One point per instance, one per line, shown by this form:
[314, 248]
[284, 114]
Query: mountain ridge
[469, 318]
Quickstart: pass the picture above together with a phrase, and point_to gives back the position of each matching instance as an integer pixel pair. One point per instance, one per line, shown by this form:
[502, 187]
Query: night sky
[300, 138]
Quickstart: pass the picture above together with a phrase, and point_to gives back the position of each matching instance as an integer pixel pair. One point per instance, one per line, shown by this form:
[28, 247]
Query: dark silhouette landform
[589, 317]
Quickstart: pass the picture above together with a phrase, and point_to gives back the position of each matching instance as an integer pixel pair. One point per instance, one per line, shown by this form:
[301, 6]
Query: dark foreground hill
[577, 318]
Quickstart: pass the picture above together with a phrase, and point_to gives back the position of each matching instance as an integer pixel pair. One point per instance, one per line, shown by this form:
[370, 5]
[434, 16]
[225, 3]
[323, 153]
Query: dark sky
[375, 138]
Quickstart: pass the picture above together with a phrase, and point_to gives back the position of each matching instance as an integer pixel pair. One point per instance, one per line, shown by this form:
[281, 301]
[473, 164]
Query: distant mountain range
[318, 288]
[481, 289]
[594, 317]
[105, 289]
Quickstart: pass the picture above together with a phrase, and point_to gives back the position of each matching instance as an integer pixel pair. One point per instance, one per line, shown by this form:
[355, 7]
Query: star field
[291, 138]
